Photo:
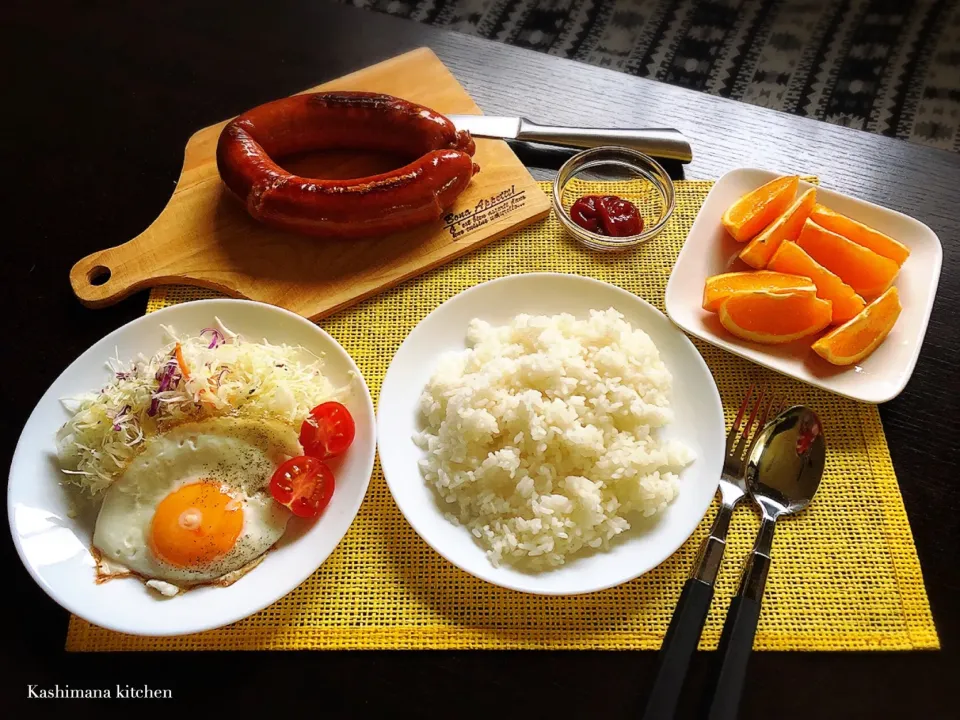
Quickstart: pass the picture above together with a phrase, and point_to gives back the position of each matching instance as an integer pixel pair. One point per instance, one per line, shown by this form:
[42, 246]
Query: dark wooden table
[103, 98]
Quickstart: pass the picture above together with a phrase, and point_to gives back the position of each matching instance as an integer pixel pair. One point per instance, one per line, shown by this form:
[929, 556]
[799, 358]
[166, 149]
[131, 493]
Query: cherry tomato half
[304, 484]
[328, 431]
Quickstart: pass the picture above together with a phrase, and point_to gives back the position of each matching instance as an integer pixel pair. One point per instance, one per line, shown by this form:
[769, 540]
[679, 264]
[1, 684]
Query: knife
[659, 142]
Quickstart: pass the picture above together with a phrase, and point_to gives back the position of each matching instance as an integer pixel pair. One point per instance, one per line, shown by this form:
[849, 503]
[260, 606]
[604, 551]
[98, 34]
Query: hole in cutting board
[98, 275]
[340, 164]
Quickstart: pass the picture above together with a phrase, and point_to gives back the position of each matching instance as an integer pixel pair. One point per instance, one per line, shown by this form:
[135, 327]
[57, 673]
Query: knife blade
[658, 142]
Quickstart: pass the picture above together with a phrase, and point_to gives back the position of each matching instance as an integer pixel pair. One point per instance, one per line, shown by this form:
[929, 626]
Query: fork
[683, 635]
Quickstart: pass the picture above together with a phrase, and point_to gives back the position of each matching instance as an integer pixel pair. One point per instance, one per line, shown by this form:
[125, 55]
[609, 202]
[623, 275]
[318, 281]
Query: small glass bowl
[630, 175]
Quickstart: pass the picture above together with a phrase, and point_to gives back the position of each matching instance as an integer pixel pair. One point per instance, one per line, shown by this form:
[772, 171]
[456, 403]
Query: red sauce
[808, 433]
[607, 215]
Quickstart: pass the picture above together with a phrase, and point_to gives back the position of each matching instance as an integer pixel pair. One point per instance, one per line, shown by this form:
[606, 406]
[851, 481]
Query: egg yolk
[195, 525]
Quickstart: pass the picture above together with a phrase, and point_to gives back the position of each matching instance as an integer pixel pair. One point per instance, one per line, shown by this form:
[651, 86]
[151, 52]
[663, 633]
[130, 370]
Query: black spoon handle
[733, 652]
[739, 630]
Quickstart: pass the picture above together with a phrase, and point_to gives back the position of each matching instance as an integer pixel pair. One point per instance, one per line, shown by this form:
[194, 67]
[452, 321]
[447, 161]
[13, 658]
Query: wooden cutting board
[205, 237]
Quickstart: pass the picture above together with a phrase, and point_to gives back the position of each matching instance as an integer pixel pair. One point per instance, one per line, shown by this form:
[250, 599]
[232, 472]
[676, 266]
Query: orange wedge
[719, 287]
[773, 317]
[862, 269]
[791, 258]
[786, 227]
[854, 340]
[860, 234]
[758, 208]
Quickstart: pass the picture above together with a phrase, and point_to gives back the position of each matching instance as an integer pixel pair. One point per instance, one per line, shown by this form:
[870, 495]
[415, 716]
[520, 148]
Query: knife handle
[658, 142]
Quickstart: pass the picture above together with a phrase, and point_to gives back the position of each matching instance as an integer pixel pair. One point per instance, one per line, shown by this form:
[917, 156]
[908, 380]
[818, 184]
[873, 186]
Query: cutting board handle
[107, 276]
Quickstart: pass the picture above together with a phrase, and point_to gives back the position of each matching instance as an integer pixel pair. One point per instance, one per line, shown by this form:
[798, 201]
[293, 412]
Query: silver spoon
[783, 473]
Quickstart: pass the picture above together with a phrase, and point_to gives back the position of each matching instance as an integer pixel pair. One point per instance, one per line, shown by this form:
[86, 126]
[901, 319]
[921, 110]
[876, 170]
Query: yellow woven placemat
[845, 574]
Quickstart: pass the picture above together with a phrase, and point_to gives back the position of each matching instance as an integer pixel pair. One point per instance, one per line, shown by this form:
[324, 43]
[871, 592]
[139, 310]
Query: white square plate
[710, 250]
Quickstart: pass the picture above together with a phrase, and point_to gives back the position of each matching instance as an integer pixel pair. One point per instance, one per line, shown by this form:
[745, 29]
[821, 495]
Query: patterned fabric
[887, 66]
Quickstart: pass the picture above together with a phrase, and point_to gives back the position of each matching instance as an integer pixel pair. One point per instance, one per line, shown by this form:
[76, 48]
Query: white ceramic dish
[699, 423]
[710, 250]
[55, 548]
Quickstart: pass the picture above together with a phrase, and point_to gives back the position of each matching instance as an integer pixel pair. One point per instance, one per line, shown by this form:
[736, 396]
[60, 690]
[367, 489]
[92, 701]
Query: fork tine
[732, 435]
[781, 405]
[748, 428]
[766, 412]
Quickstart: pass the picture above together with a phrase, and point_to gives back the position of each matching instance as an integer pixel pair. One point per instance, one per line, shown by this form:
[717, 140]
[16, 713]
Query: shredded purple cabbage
[217, 337]
[167, 376]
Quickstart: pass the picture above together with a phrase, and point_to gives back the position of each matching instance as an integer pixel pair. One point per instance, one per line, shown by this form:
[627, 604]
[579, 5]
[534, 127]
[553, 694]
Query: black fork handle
[682, 636]
[678, 647]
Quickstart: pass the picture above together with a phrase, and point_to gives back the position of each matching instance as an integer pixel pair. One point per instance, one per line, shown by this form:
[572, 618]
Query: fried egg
[194, 507]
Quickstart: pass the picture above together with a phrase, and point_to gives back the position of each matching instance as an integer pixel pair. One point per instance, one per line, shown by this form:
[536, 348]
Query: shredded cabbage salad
[213, 374]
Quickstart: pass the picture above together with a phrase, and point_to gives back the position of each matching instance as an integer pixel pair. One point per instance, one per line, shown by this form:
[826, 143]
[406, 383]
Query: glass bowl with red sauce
[612, 198]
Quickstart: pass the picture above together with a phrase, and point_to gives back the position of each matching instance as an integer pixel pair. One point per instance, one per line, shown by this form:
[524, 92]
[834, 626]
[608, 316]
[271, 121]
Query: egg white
[239, 454]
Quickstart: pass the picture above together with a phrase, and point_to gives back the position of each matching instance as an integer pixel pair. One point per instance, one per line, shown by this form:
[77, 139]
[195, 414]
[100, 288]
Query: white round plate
[55, 548]
[699, 423]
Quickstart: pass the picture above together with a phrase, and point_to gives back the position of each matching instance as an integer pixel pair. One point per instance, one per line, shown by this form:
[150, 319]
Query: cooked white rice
[541, 437]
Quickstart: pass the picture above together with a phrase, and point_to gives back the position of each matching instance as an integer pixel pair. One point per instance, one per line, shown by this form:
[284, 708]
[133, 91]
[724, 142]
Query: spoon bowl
[786, 462]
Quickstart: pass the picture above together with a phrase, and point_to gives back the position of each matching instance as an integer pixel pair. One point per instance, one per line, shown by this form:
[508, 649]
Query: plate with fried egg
[192, 467]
